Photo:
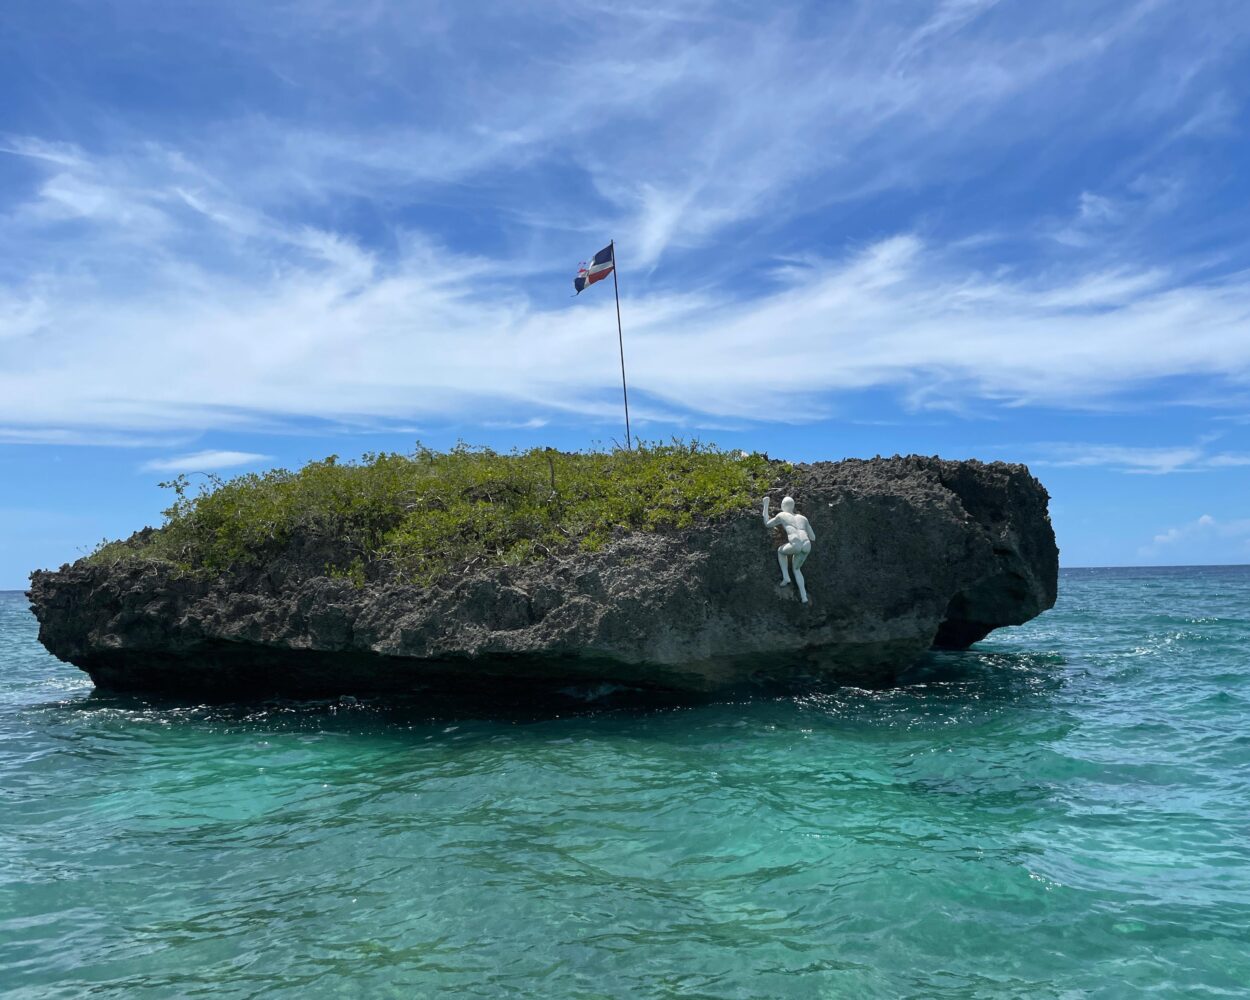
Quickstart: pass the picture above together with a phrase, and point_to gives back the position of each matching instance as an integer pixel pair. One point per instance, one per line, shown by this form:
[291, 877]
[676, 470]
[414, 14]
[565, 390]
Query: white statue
[799, 538]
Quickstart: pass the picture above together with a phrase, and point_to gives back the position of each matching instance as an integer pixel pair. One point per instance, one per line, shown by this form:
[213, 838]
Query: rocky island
[650, 568]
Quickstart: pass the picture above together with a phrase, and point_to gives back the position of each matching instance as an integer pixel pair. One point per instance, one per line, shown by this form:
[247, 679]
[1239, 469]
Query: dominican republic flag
[599, 269]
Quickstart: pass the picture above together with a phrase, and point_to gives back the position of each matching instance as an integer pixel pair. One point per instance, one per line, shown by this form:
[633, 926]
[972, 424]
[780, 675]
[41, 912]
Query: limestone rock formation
[911, 553]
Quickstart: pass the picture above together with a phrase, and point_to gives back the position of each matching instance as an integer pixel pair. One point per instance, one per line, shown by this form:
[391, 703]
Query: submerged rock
[910, 553]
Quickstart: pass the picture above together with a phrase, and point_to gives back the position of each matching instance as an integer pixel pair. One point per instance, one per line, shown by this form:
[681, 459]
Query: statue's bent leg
[798, 578]
[800, 558]
[783, 559]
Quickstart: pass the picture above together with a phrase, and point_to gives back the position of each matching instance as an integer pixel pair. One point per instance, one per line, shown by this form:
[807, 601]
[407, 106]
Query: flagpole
[620, 340]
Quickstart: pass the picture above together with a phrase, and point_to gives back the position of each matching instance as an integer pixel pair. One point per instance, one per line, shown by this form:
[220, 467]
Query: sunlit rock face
[912, 553]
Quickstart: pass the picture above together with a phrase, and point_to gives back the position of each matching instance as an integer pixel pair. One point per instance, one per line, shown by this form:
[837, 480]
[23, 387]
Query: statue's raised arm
[769, 521]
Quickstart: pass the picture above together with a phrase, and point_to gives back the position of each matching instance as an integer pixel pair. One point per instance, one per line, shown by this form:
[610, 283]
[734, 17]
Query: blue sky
[237, 235]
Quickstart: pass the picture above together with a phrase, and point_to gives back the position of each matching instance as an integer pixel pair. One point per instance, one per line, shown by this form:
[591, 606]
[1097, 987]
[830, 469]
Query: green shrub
[421, 515]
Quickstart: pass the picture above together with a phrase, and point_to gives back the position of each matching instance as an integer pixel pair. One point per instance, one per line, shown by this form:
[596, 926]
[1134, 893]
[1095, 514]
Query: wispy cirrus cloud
[400, 252]
[682, 125]
[1157, 461]
[814, 119]
[338, 332]
[86, 437]
[203, 461]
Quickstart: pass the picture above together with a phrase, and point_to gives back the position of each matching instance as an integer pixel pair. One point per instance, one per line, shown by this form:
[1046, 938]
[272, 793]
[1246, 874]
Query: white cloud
[947, 19]
[85, 437]
[320, 327]
[1101, 220]
[1141, 460]
[1097, 208]
[20, 317]
[1207, 536]
[60, 153]
[1155, 461]
[534, 423]
[203, 461]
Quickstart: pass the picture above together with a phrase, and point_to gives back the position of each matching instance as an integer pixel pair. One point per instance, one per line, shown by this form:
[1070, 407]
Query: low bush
[421, 515]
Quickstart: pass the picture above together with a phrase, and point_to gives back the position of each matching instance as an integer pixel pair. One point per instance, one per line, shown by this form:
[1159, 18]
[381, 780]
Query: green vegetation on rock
[418, 516]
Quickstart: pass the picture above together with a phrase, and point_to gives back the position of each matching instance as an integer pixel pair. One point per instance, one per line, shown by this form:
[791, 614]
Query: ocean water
[1063, 811]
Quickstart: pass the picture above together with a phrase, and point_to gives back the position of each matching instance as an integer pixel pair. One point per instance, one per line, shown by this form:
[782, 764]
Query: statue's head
[788, 505]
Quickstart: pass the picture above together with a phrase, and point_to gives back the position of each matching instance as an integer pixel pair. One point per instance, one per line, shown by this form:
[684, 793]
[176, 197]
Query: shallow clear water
[1062, 812]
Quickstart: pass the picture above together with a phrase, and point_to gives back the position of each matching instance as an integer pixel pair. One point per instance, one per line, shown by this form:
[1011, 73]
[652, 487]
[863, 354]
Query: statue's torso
[796, 527]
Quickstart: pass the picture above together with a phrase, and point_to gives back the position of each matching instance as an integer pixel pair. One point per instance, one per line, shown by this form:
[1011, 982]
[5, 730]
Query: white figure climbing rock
[799, 538]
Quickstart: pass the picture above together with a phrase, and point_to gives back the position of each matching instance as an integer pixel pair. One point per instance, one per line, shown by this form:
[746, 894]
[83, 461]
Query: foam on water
[1060, 812]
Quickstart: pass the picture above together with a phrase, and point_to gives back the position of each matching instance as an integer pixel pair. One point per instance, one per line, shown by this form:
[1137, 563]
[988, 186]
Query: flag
[599, 269]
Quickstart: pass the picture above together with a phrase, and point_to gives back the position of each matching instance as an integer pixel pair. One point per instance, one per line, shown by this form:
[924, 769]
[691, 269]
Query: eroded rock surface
[910, 553]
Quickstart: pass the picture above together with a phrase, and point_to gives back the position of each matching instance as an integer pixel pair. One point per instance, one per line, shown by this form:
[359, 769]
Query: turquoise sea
[1063, 811]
